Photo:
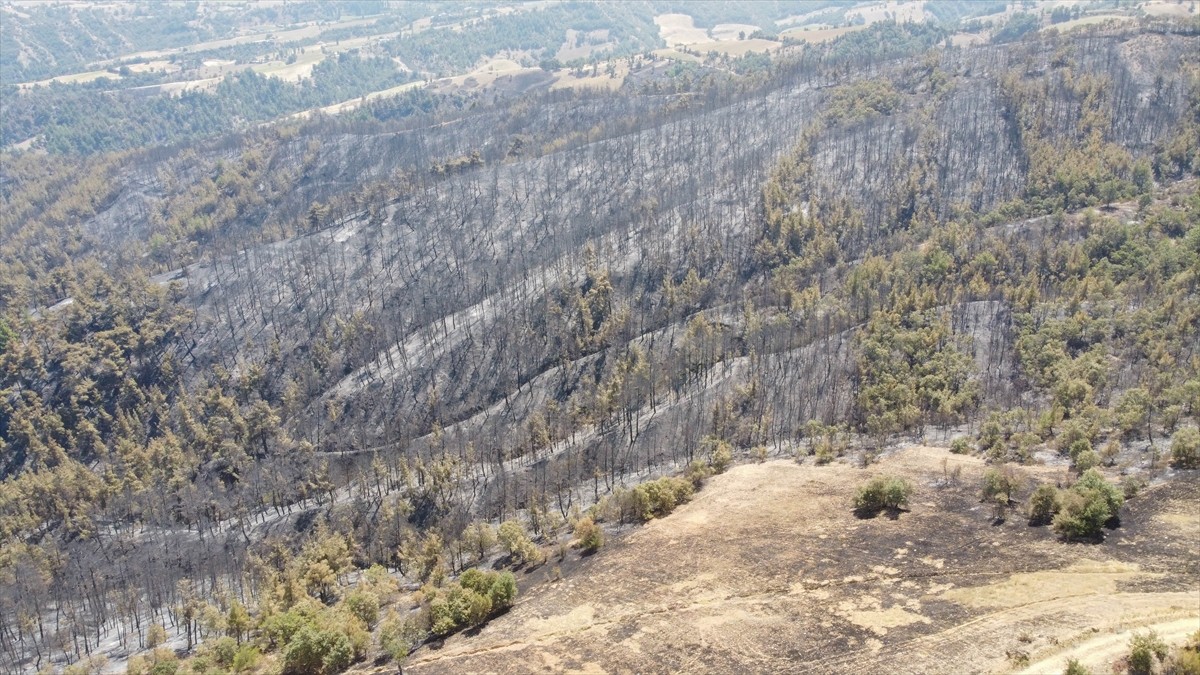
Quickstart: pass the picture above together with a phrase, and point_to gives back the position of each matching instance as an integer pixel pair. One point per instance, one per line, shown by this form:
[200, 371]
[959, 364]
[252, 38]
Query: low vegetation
[1087, 506]
[468, 601]
[589, 535]
[882, 492]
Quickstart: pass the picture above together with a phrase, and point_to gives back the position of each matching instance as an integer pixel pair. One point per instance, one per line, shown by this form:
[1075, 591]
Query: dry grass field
[767, 570]
[817, 35]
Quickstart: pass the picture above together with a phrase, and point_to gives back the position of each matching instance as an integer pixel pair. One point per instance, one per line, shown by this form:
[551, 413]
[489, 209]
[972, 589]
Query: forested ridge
[254, 389]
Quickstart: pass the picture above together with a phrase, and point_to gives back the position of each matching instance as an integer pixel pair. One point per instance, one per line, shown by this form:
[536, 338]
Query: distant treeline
[88, 120]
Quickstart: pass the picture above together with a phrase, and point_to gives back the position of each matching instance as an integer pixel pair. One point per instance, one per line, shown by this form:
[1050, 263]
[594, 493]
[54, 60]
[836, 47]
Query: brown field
[901, 12]
[679, 29]
[819, 34]
[74, 78]
[1171, 9]
[767, 570]
[730, 31]
[1089, 21]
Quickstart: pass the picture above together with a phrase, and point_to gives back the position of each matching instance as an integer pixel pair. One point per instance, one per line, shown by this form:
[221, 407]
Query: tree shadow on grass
[891, 513]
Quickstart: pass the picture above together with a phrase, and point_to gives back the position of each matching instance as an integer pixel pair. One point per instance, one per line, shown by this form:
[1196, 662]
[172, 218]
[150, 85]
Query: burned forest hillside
[335, 391]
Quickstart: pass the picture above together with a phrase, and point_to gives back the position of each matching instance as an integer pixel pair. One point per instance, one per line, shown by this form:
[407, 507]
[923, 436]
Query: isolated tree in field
[589, 535]
[1043, 504]
[882, 492]
[1000, 484]
[1087, 506]
[998, 488]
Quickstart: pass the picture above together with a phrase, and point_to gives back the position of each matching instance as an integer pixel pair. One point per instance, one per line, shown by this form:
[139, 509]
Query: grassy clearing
[818, 35]
[74, 78]
[1171, 9]
[679, 29]
[1089, 21]
[735, 47]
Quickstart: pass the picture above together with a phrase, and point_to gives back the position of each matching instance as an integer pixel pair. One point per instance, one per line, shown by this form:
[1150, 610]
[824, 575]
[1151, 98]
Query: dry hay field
[818, 35]
[1094, 20]
[767, 570]
[900, 12]
[1170, 9]
[679, 30]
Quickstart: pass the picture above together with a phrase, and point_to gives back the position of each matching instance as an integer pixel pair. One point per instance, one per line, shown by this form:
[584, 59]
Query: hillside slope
[768, 570]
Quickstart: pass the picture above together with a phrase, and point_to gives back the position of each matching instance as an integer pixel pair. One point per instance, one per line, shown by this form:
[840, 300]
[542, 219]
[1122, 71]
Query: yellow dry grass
[1099, 653]
[74, 78]
[767, 565]
[900, 12]
[730, 31]
[1178, 10]
[1086, 577]
[679, 29]
[565, 80]
[735, 47]
[1089, 21]
[817, 35]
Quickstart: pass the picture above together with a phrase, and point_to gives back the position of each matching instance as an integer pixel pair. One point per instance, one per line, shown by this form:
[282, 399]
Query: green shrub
[825, 452]
[1185, 448]
[1087, 506]
[1000, 484]
[1079, 447]
[1132, 485]
[1081, 514]
[317, 651]
[1146, 651]
[500, 588]
[697, 472]
[477, 580]
[720, 455]
[223, 650]
[503, 591]
[662, 496]
[165, 666]
[1088, 459]
[474, 597]
[245, 659]
[456, 608]
[364, 605]
[1074, 667]
[1185, 660]
[1043, 504]
[399, 636]
[513, 538]
[960, 446]
[882, 492]
[589, 534]
[1093, 480]
[280, 628]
